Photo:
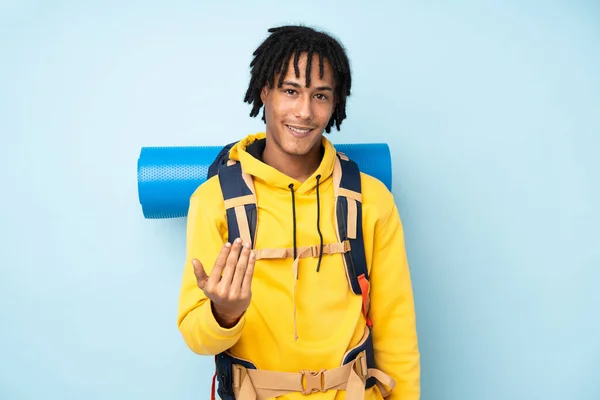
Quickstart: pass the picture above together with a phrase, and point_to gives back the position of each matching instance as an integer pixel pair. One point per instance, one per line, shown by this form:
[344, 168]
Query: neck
[299, 167]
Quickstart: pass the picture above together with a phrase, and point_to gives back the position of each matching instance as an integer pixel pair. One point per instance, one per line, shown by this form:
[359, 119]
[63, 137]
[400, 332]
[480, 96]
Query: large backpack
[240, 204]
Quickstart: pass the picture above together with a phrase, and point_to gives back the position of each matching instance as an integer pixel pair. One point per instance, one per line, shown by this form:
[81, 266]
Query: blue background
[492, 113]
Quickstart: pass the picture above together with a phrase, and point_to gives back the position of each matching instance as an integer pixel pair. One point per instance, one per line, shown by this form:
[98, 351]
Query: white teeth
[298, 130]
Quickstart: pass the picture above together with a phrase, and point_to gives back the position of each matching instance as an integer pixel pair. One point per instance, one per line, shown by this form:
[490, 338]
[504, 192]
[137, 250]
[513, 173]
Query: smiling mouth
[298, 130]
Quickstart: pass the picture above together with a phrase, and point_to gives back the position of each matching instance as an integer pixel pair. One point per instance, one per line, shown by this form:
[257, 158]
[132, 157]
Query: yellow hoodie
[328, 315]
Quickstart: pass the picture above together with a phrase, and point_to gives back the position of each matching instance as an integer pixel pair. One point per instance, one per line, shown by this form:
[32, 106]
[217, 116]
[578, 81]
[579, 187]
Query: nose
[304, 108]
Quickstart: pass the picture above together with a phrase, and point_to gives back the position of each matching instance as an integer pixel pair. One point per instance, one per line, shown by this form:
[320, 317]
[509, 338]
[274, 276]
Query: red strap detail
[212, 390]
[364, 288]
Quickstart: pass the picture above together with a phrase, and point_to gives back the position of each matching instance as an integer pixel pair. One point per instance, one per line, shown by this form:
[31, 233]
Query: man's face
[296, 115]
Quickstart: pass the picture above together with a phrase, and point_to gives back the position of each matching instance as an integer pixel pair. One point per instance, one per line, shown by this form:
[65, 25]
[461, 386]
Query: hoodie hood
[248, 152]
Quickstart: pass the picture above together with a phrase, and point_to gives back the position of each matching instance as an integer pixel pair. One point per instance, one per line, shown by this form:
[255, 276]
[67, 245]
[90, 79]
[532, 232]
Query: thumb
[201, 276]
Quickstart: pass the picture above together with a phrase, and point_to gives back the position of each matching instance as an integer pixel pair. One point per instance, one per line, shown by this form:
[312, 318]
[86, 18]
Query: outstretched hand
[229, 285]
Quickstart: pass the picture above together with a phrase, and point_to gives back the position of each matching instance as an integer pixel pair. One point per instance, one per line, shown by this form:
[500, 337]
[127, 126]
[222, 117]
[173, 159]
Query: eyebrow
[294, 84]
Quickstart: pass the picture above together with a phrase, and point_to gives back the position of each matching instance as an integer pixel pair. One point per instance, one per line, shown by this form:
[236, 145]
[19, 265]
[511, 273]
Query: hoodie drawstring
[319, 226]
[291, 186]
[295, 249]
[296, 259]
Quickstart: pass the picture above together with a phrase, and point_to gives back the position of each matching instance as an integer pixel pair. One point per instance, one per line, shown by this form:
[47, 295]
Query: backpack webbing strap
[347, 187]
[240, 202]
[356, 373]
[302, 252]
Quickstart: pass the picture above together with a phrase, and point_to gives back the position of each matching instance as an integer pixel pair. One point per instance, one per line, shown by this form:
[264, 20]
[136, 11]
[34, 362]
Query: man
[274, 302]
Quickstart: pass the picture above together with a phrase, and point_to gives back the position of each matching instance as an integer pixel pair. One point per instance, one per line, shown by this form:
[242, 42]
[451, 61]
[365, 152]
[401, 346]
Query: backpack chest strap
[303, 252]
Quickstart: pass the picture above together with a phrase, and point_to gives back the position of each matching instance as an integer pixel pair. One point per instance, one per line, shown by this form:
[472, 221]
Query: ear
[264, 93]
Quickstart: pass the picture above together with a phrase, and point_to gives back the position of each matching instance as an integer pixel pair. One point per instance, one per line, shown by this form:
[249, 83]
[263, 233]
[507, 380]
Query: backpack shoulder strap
[220, 160]
[348, 193]
[240, 202]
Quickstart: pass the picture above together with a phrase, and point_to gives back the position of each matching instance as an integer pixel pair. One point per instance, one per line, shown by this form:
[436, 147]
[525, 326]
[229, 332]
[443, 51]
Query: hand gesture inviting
[229, 285]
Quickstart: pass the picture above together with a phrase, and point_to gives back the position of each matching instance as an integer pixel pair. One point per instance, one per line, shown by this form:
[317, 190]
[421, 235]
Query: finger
[200, 273]
[232, 260]
[240, 269]
[247, 283]
[215, 275]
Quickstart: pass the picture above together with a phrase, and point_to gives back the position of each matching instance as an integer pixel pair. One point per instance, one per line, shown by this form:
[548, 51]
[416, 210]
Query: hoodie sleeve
[392, 307]
[206, 234]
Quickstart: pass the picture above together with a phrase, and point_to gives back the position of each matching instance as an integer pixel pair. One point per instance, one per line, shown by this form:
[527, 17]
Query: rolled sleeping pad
[168, 176]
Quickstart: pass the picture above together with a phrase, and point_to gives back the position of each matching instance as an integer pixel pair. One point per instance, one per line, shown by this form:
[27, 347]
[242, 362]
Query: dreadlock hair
[274, 54]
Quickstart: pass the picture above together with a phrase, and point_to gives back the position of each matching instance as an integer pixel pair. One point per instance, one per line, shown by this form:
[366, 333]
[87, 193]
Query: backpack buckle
[312, 381]
[315, 251]
[360, 365]
[347, 247]
[238, 375]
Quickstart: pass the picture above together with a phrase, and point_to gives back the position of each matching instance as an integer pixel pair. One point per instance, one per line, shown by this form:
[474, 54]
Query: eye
[321, 96]
[290, 91]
